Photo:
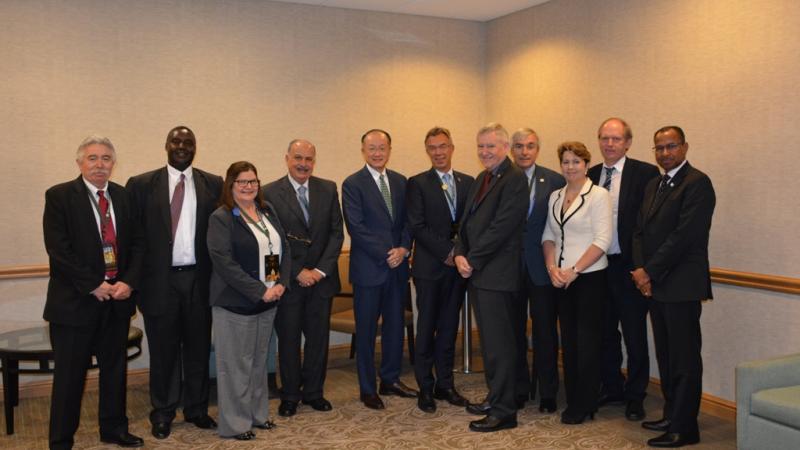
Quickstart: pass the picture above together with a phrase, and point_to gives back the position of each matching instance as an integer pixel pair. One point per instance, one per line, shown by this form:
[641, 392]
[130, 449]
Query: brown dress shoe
[372, 401]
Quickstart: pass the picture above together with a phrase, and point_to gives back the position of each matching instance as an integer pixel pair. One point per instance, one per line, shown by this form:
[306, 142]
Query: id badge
[109, 257]
[272, 268]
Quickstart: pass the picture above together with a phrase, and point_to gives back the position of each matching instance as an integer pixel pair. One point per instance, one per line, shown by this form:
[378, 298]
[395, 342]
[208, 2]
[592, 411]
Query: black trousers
[495, 313]
[303, 312]
[73, 347]
[538, 302]
[676, 331]
[626, 307]
[180, 343]
[438, 305]
[580, 310]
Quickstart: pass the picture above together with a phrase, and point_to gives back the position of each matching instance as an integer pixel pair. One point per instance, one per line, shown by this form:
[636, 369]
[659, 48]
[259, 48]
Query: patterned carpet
[352, 426]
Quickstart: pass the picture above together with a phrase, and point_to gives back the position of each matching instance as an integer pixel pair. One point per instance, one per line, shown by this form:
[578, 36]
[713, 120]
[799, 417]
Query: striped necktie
[609, 174]
[387, 197]
[450, 194]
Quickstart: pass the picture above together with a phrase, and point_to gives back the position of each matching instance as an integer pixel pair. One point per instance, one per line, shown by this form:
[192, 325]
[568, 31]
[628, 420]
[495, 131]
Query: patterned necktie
[450, 194]
[663, 186]
[531, 195]
[176, 204]
[107, 233]
[609, 174]
[301, 195]
[387, 197]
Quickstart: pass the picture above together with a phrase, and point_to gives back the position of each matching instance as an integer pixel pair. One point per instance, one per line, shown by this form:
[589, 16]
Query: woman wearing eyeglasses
[250, 254]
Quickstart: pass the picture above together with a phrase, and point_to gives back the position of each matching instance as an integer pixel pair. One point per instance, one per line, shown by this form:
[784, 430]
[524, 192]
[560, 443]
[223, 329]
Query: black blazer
[546, 182]
[635, 176]
[318, 244]
[490, 234]
[74, 247]
[149, 194]
[671, 238]
[429, 220]
[234, 252]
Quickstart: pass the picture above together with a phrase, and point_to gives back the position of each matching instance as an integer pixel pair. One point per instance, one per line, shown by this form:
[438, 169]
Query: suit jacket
[490, 234]
[74, 247]
[635, 176]
[373, 232]
[671, 238]
[233, 247]
[149, 194]
[430, 223]
[546, 181]
[318, 244]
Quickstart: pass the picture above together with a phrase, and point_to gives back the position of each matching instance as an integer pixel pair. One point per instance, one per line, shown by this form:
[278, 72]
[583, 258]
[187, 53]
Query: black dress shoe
[125, 439]
[673, 440]
[479, 409]
[287, 408]
[634, 410]
[205, 422]
[451, 396]
[160, 430]
[425, 402]
[657, 425]
[246, 436]
[319, 404]
[491, 423]
[520, 401]
[610, 399]
[397, 388]
[268, 425]
[372, 401]
[575, 417]
[547, 405]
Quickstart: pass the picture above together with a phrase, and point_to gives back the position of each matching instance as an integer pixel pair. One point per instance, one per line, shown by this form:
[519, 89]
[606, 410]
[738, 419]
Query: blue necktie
[607, 182]
[450, 194]
[301, 195]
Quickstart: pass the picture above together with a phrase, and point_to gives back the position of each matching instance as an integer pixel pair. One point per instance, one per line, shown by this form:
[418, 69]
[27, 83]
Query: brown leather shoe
[372, 401]
[397, 388]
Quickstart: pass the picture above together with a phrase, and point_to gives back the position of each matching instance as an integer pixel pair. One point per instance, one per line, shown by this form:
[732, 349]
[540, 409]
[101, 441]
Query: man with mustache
[93, 246]
[173, 204]
[308, 209]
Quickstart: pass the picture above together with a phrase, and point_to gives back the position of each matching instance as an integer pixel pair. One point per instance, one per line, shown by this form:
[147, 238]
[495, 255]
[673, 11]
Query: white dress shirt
[183, 246]
[376, 176]
[93, 191]
[586, 222]
[616, 183]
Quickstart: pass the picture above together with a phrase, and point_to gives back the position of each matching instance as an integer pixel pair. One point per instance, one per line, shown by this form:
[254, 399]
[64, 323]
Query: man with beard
[173, 204]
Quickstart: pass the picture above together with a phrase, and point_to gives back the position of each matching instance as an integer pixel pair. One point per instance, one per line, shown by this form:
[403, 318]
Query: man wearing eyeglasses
[625, 179]
[309, 212]
[173, 204]
[670, 256]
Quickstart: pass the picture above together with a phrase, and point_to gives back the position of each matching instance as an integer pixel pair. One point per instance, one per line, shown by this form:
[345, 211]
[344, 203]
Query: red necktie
[107, 229]
[176, 204]
[484, 187]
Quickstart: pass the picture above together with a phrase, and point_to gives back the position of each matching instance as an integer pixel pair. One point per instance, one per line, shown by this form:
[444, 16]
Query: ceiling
[478, 10]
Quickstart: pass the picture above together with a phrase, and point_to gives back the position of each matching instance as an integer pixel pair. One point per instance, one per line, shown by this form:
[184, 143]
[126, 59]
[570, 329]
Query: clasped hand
[107, 291]
[562, 278]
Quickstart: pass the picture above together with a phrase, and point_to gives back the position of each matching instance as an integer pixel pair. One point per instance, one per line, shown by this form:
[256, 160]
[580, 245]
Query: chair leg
[410, 334]
[352, 346]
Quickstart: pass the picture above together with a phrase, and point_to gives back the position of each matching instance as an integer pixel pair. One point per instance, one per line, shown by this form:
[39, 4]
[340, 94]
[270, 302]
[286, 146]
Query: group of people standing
[588, 249]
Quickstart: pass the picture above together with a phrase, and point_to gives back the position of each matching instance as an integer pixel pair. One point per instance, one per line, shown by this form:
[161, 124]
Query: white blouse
[586, 222]
[264, 246]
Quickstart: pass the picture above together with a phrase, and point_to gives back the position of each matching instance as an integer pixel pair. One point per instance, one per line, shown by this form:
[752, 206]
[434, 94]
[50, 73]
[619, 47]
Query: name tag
[109, 257]
[272, 269]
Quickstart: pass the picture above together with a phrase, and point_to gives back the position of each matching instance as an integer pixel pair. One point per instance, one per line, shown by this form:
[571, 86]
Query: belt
[183, 268]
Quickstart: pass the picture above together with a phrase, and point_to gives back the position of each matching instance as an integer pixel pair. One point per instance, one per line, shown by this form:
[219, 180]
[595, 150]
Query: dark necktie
[487, 179]
[107, 233]
[176, 204]
[663, 186]
[607, 182]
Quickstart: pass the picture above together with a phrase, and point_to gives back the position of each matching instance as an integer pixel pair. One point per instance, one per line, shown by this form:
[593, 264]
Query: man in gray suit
[536, 294]
[309, 211]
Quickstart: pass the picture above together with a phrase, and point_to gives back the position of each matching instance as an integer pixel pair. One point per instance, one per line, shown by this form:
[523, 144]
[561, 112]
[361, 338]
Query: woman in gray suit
[250, 255]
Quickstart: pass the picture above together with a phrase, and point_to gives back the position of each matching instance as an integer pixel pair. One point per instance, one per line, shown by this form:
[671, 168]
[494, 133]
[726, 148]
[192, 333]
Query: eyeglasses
[244, 183]
[529, 146]
[669, 147]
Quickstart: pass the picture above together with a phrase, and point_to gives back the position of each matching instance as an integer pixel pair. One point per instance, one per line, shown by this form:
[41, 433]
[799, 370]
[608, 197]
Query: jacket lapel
[625, 185]
[161, 196]
[290, 197]
[673, 183]
[461, 195]
[85, 211]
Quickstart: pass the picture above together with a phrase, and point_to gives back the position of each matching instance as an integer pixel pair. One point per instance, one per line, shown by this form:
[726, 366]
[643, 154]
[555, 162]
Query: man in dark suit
[670, 254]
[536, 289]
[373, 201]
[93, 245]
[309, 211]
[625, 179]
[488, 254]
[173, 204]
[436, 200]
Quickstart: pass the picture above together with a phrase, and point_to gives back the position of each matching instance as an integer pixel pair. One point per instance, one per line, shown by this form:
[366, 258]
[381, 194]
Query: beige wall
[248, 76]
[726, 71]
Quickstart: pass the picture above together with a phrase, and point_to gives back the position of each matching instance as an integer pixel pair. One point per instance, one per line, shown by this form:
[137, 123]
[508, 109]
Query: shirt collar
[295, 184]
[617, 165]
[672, 172]
[529, 171]
[375, 174]
[93, 189]
[176, 174]
[441, 174]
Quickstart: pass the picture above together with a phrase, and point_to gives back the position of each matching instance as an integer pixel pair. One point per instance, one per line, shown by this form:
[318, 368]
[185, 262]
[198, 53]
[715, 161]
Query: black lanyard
[104, 218]
[260, 225]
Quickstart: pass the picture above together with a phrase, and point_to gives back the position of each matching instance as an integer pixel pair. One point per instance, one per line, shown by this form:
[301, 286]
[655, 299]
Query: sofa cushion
[780, 405]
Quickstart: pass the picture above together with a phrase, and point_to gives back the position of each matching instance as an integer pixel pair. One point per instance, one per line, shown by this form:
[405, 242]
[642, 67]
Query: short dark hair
[578, 148]
[625, 127]
[226, 199]
[179, 127]
[674, 128]
[435, 131]
[388, 136]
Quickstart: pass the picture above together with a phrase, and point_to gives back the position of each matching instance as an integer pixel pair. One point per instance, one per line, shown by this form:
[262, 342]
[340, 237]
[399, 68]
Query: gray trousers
[241, 344]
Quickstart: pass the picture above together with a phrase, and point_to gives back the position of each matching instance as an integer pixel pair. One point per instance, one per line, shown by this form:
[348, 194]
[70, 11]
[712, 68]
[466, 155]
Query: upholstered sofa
[768, 404]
